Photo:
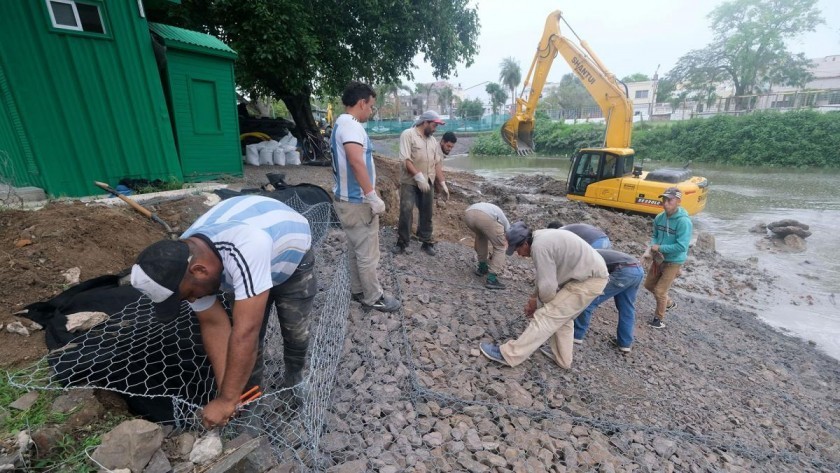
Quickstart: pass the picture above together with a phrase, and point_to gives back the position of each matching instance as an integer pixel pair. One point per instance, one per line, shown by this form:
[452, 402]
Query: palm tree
[510, 76]
[445, 99]
[425, 89]
[390, 88]
[497, 98]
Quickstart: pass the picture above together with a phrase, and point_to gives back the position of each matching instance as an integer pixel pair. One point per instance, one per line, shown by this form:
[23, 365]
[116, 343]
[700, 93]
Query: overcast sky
[628, 36]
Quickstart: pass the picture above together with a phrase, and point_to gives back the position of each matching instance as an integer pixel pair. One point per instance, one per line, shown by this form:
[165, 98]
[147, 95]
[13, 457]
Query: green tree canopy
[510, 76]
[637, 77]
[570, 94]
[471, 109]
[749, 49]
[290, 48]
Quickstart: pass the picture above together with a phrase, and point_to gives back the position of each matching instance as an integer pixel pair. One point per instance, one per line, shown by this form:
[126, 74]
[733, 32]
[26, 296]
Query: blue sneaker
[491, 351]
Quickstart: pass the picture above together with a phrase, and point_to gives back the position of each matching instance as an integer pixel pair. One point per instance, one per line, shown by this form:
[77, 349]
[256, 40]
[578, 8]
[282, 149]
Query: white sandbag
[267, 152]
[287, 138]
[252, 154]
[292, 141]
[293, 158]
[279, 156]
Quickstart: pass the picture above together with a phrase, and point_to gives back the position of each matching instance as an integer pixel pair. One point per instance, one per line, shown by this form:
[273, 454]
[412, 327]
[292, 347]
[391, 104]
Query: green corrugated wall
[77, 108]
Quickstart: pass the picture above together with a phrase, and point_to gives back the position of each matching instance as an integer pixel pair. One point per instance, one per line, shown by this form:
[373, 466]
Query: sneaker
[672, 304]
[357, 297]
[428, 248]
[482, 269]
[656, 322]
[386, 303]
[491, 351]
[578, 341]
[621, 348]
[398, 249]
[494, 283]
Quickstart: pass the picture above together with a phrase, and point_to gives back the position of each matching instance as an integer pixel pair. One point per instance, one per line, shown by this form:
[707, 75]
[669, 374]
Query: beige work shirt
[561, 256]
[423, 152]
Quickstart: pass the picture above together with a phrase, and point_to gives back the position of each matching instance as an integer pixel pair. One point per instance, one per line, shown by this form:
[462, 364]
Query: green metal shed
[80, 97]
[200, 90]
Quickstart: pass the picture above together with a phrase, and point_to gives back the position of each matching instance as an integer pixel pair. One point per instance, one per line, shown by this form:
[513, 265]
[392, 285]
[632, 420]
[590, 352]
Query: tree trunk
[301, 111]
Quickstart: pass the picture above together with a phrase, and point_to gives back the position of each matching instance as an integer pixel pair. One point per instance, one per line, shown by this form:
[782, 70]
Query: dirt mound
[38, 246]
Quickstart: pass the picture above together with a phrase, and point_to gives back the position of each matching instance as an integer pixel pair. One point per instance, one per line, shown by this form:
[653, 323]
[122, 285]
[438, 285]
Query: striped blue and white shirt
[348, 130]
[260, 241]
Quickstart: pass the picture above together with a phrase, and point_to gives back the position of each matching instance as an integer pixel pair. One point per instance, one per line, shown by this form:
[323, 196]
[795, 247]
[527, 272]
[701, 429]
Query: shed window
[76, 16]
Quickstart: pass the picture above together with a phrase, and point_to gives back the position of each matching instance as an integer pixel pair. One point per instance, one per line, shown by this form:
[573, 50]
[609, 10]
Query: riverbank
[717, 390]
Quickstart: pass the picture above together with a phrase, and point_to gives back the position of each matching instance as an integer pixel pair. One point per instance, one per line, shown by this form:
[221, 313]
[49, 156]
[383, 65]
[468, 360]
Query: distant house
[84, 97]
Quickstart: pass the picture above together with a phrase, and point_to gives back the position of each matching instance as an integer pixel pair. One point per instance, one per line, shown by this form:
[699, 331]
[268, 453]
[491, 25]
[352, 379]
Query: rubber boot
[482, 268]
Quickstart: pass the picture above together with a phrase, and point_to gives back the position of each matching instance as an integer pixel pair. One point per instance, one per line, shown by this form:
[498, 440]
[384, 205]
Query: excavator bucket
[519, 134]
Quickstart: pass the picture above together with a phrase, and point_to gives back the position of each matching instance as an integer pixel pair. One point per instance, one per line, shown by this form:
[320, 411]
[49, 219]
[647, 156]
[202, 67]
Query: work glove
[422, 182]
[444, 189]
[377, 205]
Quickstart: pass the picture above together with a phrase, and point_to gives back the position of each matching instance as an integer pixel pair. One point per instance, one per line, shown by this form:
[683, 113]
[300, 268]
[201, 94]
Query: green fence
[486, 123]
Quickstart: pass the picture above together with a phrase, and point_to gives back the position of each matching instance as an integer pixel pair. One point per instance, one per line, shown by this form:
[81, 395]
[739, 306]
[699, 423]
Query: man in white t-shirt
[356, 202]
[257, 248]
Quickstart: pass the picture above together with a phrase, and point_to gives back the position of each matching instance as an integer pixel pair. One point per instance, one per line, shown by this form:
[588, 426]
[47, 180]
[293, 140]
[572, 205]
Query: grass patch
[161, 186]
[70, 453]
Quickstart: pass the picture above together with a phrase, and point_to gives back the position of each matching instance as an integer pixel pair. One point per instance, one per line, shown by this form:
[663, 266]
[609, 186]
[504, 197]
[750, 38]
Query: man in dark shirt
[626, 274]
[591, 234]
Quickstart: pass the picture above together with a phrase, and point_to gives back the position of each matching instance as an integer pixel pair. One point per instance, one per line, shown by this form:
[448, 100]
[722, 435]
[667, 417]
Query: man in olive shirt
[422, 170]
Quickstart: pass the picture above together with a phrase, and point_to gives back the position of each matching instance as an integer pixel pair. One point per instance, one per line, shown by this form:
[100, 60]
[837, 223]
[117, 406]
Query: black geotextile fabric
[177, 367]
[105, 356]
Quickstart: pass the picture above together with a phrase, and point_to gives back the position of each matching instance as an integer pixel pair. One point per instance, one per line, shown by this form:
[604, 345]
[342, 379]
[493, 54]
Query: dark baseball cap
[158, 274]
[672, 193]
[516, 235]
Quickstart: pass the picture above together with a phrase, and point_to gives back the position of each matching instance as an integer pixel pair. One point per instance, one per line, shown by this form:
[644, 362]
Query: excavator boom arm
[608, 93]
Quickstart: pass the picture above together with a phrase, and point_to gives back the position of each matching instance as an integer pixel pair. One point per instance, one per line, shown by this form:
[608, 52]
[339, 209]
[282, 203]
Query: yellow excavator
[603, 176]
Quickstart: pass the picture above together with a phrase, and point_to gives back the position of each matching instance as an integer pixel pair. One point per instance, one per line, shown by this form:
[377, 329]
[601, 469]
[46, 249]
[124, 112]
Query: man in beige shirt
[570, 274]
[422, 171]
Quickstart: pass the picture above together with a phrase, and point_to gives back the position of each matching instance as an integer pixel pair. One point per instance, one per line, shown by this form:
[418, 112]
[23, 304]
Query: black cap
[516, 235]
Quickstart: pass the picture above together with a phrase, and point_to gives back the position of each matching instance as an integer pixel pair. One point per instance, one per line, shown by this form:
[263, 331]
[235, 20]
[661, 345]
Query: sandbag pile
[273, 153]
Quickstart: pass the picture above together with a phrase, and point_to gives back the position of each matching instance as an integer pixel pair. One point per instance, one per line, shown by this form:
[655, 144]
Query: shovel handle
[143, 210]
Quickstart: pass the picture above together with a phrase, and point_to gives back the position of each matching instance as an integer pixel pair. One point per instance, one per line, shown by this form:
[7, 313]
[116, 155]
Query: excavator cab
[518, 133]
[594, 165]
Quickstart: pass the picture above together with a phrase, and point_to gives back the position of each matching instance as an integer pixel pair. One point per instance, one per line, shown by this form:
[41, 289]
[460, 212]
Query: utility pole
[653, 92]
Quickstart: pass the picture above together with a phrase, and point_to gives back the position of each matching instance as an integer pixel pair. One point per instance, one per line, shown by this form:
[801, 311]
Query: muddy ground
[717, 390]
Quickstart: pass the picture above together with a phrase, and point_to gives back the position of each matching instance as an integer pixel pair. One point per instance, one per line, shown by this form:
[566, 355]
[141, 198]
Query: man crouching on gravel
[259, 249]
[570, 274]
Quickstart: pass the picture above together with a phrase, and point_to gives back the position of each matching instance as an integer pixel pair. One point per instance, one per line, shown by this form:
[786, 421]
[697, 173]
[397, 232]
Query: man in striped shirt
[257, 248]
[356, 202]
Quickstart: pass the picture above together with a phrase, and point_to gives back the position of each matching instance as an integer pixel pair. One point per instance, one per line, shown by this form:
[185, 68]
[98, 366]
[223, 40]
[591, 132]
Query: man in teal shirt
[669, 247]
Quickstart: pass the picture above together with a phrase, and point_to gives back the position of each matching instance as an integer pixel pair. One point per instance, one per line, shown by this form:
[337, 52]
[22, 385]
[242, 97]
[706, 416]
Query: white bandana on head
[143, 283]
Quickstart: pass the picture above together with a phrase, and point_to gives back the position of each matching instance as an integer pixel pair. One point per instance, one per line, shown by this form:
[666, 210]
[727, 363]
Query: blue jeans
[602, 243]
[622, 287]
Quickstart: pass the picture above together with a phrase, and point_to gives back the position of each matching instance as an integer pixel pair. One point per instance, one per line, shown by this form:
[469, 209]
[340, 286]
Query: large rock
[781, 232]
[25, 402]
[206, 449]
[349, 467]
[84, 321]
[254, 456]
[158, 464]
[783, 228]
[130, 445]
[795, 242]
[705, 242]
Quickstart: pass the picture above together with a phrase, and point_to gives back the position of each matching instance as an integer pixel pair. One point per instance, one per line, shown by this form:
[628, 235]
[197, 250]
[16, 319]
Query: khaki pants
[362, 230]
[488, 230]
[555, 322]
[658, 281]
